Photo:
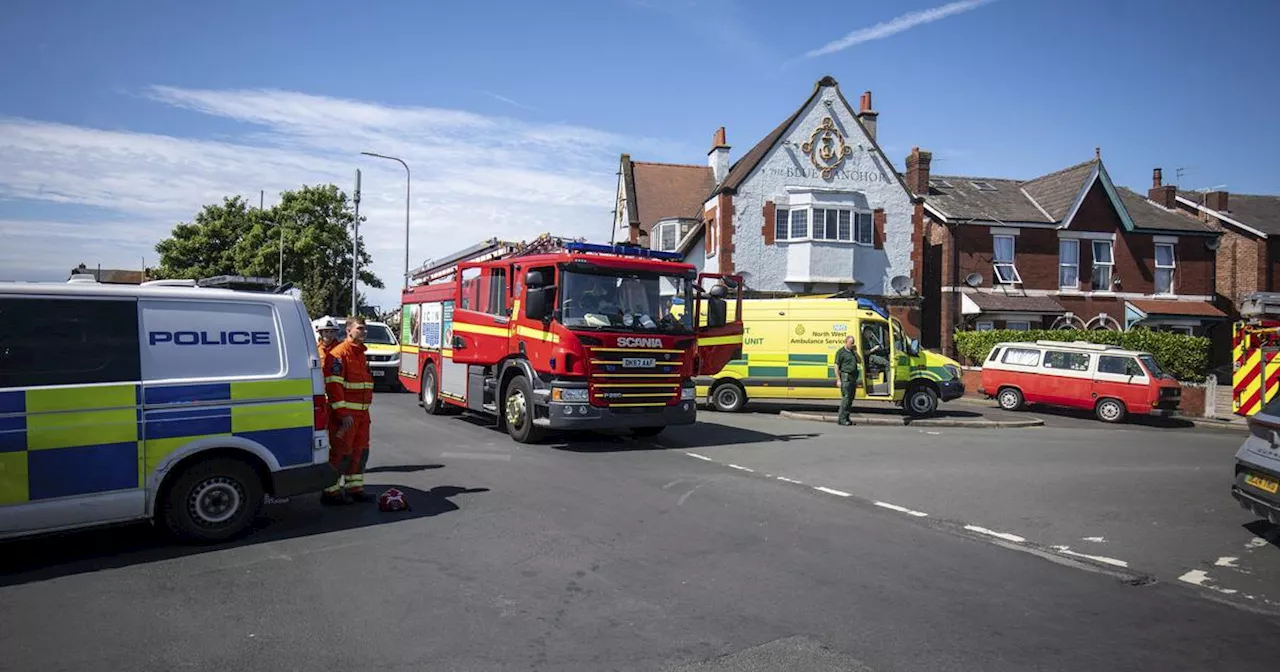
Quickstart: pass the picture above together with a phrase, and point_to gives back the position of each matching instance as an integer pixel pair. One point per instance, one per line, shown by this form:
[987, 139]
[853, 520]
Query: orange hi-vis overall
[349, 386]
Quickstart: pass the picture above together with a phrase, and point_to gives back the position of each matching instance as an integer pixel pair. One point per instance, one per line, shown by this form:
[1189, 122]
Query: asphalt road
[613, 554]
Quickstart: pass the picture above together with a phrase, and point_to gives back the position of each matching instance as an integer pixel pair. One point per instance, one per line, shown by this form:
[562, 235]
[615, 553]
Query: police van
[166, 401]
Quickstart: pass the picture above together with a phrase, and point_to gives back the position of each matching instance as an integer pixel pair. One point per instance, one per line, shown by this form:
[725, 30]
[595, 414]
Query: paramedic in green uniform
[846, 377]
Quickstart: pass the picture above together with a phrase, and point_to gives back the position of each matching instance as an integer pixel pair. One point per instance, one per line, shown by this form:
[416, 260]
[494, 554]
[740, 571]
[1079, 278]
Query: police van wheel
[517, 411]
[728, 397]
[430, 391]
[921, 401]
[212, 501]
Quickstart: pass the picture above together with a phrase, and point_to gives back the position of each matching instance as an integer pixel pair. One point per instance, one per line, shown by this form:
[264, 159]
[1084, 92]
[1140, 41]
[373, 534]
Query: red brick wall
[1035, 253]
[1272, 283]
[1192, 401]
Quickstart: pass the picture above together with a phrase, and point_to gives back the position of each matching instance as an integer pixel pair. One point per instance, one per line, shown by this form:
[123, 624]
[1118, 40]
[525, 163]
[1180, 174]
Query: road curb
[908, 422]
[1218, 424]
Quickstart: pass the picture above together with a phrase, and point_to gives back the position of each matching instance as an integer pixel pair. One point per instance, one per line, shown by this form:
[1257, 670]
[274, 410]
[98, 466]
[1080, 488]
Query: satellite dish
[973, 280]
[900, 283]
[1212, 243]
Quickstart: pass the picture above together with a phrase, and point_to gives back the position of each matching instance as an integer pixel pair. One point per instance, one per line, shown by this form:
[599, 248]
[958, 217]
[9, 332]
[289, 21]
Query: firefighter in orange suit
[349, 386]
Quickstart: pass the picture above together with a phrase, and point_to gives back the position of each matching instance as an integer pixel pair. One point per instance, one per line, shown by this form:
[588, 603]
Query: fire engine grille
[633, 377]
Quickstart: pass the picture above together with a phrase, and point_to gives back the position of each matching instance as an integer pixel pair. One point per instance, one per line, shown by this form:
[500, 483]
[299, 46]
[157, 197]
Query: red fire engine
[557, 335]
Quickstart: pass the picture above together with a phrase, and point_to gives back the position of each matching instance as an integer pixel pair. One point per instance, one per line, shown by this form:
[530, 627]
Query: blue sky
[121, 119]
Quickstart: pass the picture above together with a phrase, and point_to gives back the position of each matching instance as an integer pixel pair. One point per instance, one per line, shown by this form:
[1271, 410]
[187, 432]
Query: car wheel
[921, 401]
[1110, 410]
[728, 397]
[1010, 399]
[517, 410]
[430, 391]
[212, 501]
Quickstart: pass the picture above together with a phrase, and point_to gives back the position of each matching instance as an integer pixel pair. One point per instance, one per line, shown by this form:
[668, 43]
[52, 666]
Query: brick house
[1064, 250]
[814, 207]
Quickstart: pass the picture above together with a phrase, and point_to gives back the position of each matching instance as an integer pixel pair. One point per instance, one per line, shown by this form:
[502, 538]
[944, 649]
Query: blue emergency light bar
[624, 250]
[868, 304]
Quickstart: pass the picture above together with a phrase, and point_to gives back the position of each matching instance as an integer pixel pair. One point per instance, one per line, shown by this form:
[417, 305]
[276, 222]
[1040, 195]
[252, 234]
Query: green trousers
[847, 389]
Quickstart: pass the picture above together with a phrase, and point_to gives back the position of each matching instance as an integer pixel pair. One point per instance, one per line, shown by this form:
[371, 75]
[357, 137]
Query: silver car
[1257, 482]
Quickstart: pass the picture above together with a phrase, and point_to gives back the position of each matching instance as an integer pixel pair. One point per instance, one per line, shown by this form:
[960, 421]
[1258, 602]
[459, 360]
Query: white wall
[869, 181]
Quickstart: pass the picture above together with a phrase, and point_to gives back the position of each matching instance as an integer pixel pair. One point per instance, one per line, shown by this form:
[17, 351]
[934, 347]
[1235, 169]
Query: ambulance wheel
[921, 401]
[1010, 399]
[211, 501]
[728, 397]
[431, 392]
[1110, 410]
[517, 411]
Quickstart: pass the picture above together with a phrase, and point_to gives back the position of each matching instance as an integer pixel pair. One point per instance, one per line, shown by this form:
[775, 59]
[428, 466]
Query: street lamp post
[406, 211]
[355, 248]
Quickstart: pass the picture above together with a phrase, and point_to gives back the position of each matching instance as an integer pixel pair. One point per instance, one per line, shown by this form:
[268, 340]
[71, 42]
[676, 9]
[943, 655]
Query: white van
[162, 401]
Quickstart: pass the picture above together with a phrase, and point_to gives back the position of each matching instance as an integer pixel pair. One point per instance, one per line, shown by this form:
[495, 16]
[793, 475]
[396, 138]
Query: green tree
[234, 239]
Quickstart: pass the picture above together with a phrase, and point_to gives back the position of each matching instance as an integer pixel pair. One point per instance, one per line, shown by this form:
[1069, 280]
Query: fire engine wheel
[1010, 399]
[1110, 410]
[430, 391]
[728, 397]
[517, 411]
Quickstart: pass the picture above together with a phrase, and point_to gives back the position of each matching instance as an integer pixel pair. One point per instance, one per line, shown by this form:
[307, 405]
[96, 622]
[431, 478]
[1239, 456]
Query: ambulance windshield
[628, 301]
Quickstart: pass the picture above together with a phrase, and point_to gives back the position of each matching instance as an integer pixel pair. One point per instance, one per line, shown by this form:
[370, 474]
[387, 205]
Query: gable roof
[662, 190]
[1050, 199]
[1258, 212]
[742, 168]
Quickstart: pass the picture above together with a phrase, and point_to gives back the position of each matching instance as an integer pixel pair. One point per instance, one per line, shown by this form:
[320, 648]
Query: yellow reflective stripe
[544, 336]
[84, 398]
[333, 379]
[259, 417]
[13, 478]
[357, 386]
[270, 389]
[719, 340]
[480, 329]
[351, 405]
[86, 428]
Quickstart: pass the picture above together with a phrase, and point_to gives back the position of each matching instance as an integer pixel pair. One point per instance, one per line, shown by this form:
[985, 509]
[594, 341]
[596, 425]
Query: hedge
[1184, 357]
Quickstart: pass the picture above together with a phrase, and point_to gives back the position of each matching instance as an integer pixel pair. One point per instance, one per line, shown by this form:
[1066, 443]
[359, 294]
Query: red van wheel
[1110, 410]
[1010, 399]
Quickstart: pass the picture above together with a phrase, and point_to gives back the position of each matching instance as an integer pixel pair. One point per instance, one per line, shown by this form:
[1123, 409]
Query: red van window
[1070, 361]
[1123, 366]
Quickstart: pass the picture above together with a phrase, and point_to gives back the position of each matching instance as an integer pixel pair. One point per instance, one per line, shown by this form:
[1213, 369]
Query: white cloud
[117, 193]
[897, 25]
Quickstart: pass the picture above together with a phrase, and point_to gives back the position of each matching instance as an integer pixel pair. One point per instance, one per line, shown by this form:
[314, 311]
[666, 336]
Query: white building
[814, 208]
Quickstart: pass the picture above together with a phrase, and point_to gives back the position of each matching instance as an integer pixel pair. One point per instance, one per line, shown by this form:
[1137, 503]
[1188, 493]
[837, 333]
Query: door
[1121, 377]
[70, 440]
[876, 350]
[719, 322]
[1069, 379]
[482, 316]
[901, 358]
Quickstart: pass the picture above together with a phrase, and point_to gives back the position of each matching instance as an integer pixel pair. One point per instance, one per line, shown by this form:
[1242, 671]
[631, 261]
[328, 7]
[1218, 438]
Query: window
[1120, 366]
[1018, 326]
[826, 224]
[1068, 361]
[1178, 329]
[1164, 268]
[1002, 260]
[985, 325]
[1068, 264]
[484, 290]
[1102, 263]
[68, 342]
[497, 299]
[666, 237]
[1021, 356]
[995, 352]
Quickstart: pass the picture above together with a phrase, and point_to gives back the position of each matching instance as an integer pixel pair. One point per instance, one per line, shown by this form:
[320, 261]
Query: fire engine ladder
[488, 250]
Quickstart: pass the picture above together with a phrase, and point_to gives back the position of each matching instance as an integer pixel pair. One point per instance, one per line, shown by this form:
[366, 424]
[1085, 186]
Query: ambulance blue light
[624, 250]
[868, 304]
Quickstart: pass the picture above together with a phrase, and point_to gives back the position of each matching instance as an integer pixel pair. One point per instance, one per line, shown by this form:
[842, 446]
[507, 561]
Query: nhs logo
[206, 338]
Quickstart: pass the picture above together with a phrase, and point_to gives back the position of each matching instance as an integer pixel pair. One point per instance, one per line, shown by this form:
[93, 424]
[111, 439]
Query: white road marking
[700, 457]
[789, 480]
[1256, 542]
[742, 468]
[1098, 540]
[901, 509]
[678, 480]
[1066, 550]
[1225, 561]
[933, 433]
[999, 535]
[1197, 577]
[686, 495]
[832, 492]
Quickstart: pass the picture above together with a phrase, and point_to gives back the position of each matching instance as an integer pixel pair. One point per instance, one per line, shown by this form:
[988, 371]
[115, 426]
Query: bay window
[839, 225]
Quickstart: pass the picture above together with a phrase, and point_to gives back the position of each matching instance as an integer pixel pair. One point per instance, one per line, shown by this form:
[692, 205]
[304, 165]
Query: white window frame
[1109, 265]
[985, 325]
[1025, 325]
[1011, 264]
[1171, 268]
[655, 237]
[1073, 263]
[860, 223]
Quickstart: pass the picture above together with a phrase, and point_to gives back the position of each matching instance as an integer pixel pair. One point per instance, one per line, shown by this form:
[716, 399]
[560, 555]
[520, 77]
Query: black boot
[335, 499]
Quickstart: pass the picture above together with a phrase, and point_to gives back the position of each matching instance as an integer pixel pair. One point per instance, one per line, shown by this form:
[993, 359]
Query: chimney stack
[1216, 200]
[868, 116]
[718, 157]
[1160, 193]
[918, 171]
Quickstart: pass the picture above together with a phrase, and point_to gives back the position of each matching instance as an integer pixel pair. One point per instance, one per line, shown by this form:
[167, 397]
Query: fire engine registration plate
[1262, 483]
[377, 373]
[638, 362]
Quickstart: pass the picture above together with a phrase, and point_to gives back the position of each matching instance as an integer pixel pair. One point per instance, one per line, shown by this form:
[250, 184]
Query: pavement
[745, 542]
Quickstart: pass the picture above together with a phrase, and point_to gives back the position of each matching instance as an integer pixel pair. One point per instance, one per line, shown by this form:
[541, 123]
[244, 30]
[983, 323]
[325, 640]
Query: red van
[1106, 379]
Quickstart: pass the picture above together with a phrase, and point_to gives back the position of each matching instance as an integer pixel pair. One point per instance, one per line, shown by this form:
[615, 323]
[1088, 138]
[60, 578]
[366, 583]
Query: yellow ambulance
[789, 349]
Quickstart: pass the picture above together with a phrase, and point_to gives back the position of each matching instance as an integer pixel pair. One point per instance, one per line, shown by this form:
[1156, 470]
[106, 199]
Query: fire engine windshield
[642, 302]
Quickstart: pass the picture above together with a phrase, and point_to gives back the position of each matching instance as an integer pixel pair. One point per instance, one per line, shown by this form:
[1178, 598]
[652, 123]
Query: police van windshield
[640, 302]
